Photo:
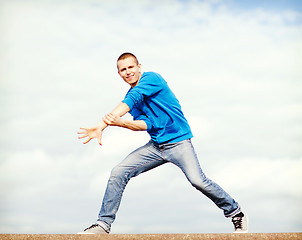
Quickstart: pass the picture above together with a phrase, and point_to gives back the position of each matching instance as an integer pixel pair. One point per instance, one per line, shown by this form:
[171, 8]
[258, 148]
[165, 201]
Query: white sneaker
[94, 229]
[240, 222]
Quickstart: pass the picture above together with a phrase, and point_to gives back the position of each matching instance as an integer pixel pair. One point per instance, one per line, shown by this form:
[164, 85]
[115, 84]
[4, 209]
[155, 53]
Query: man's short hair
[126, 55]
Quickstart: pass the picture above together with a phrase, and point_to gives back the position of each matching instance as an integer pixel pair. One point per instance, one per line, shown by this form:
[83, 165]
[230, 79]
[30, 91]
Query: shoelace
[92, 226]
[237, 221]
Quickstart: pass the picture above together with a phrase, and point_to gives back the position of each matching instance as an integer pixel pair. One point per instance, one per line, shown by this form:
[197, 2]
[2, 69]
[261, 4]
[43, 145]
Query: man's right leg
[141, 160]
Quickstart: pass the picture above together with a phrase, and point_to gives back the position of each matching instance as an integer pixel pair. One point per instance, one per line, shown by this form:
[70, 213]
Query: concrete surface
[247, 236]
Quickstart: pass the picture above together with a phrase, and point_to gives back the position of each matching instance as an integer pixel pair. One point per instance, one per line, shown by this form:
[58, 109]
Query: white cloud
[267, 176]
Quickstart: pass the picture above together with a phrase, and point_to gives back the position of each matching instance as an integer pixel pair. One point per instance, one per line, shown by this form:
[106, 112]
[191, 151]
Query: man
[155, 109]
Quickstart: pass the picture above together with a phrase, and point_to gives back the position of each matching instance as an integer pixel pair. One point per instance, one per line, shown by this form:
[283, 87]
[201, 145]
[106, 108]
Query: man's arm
[121, 109]
[96, 132]
[135, 125]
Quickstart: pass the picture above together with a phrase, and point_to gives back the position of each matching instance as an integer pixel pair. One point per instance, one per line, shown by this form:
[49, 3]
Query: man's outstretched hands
[90, 133]
[96, 132]
[113, 119]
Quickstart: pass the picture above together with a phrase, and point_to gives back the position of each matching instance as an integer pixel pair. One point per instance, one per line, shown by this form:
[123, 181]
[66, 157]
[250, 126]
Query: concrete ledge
[245, 236]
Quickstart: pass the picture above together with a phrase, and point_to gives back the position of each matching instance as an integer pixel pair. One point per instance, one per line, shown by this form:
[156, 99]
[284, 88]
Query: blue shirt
[152, 101]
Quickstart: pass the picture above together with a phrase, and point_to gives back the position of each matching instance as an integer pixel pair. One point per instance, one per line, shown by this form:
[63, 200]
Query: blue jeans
[152, 155]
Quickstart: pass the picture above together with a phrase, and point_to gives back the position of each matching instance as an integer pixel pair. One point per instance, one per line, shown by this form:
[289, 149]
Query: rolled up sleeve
[133, 98]
[137, 115]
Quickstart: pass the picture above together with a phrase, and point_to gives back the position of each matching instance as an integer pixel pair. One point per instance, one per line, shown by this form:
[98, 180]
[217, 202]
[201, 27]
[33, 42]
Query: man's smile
[129, 70]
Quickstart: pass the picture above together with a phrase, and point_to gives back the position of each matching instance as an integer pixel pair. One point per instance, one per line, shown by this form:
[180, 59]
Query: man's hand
[113, 120]
[90, 133]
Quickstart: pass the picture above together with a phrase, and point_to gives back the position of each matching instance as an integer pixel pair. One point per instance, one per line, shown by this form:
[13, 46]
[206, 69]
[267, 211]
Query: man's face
[129, 71]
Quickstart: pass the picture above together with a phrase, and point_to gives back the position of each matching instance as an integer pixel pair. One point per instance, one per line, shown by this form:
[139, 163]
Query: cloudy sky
[235, 67]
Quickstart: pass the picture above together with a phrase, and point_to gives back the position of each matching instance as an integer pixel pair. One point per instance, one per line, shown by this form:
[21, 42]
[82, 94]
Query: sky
[235, 67]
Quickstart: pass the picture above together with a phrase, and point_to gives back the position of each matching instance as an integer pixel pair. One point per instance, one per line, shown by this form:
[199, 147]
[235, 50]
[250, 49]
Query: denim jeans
[152, 155]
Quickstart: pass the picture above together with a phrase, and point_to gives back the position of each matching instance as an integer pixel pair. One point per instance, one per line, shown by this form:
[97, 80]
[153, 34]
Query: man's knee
[117, 172]
[200, 183]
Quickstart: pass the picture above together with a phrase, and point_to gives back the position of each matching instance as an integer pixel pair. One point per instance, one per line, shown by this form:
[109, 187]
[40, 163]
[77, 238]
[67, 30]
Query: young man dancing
[155, 109]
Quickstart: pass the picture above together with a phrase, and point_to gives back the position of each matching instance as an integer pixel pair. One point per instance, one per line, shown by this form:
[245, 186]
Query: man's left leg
[183, 155]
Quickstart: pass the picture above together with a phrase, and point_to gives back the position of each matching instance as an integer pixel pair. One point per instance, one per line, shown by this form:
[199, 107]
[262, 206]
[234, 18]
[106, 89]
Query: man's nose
[127, 71]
